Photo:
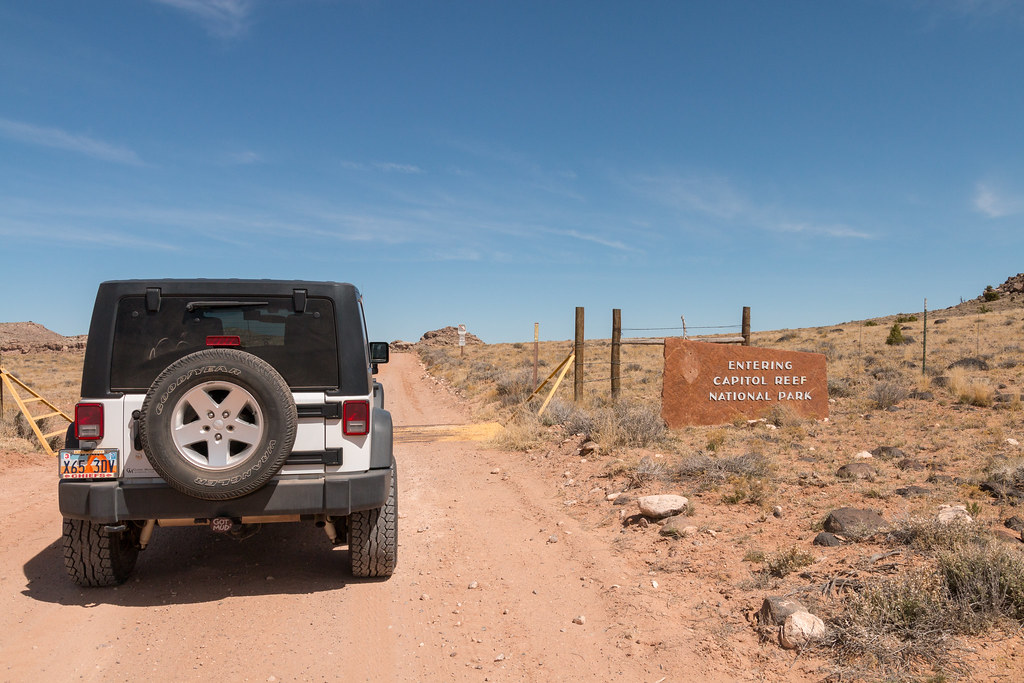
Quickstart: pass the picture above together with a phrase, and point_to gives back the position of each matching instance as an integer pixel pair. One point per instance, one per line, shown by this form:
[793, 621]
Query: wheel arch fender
[382, 445]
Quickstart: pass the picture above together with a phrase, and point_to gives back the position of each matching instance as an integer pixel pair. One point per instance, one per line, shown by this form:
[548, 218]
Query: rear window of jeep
[303, 347]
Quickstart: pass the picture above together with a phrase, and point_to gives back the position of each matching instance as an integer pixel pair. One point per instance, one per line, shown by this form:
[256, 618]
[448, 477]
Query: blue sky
[500, 163]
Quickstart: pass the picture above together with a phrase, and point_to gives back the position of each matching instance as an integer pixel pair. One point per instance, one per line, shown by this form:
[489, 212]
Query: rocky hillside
[447, 336]
[30, 336]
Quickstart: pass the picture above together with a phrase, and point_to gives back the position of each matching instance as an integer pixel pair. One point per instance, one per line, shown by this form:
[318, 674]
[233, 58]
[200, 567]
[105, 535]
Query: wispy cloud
[596, 239]
[242, 158]
[996, 203]
[383, 167]
[715, 198]
[59, 139]
[222, 18]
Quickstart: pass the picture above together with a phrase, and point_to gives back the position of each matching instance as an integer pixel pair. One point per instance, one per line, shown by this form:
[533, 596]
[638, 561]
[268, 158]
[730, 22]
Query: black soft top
[353, 360]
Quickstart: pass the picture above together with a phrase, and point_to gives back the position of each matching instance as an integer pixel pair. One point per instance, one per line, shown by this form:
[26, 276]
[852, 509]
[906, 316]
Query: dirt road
[491, 575]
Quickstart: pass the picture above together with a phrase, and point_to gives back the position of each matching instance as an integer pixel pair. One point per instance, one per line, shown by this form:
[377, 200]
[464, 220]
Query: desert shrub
[558, 412]
[985, 582]
[990, 294]
[906, 318]
[929, 535]
[715, 439]
[1009, 472]
[970, 391]
[840, 387]
[645, 471]
[895, 337]
[789, 336]
[630, 424]
[513, 386]
[829, 350]
[519, 346]
[892, 628]
[709, 471]
[870, 323]
[887, 394]
[985, 309]
[522, 433]
[750, 490]
[785, 562]
[783, 415]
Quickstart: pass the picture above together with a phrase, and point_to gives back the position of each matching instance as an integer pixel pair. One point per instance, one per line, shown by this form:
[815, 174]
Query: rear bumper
[115, 501]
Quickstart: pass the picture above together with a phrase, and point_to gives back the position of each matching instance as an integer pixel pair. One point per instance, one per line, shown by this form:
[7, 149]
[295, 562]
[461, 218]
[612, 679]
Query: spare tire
[218, 423]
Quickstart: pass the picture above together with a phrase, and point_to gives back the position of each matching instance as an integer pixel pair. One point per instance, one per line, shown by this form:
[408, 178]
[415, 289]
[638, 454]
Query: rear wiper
[193, 305]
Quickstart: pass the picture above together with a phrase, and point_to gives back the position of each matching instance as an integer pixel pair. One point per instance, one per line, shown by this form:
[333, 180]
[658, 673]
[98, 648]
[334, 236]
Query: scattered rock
[661, 506]
[622, 499]
[1015, 523]
[677, 526]
[777, 511]
[828, 540]
[888, 453]
[922, 395]
[940, 479]
[910, 491]
[776, 608]
[553, 538]
[589, 447]
[953, 513]
[799, 629]
[853, 520]
[911, 464]
[580, 620]
[969, 363]
[399, 346]
[1012, 442]
[863, 455]
[857, 470]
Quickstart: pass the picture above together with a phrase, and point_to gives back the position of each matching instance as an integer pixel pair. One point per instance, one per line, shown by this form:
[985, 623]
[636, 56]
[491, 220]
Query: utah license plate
[97, 464]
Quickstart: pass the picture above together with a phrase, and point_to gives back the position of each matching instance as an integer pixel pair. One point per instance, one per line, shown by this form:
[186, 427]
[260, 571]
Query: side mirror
[380, 352]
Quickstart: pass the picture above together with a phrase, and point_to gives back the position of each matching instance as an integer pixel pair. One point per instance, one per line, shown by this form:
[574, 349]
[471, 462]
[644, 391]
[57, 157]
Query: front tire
[94, 556]
[373, 536]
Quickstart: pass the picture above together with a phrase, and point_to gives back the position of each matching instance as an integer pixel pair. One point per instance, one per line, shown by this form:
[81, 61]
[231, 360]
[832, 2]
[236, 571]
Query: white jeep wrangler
[227, 403]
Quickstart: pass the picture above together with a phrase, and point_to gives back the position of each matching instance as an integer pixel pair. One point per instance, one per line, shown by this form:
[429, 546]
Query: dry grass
[54, 375]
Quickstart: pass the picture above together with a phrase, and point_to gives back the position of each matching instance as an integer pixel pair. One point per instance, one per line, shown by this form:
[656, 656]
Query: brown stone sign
[708, 384]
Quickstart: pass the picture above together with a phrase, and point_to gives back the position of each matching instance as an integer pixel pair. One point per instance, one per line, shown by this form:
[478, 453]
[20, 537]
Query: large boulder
[853, 520]
[661, 506]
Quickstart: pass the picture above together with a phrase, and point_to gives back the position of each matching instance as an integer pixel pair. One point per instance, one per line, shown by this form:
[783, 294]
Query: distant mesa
[448, 336]
[29, 336]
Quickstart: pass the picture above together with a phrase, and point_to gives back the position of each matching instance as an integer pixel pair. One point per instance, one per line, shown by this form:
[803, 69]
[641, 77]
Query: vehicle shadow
[193, 565]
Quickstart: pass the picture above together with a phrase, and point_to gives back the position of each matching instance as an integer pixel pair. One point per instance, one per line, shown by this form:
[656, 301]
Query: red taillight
[356, 418]
[89, 421]
[223, 340]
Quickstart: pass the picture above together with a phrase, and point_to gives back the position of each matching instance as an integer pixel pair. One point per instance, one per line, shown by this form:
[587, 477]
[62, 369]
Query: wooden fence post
[577, 388]
[616, 351]
[746, 326]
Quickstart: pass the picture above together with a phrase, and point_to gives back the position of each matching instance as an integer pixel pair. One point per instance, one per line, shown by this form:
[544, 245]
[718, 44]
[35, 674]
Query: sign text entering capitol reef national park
[707, 384]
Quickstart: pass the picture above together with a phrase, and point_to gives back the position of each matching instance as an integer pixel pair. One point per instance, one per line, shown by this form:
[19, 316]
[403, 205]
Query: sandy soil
[492, 573]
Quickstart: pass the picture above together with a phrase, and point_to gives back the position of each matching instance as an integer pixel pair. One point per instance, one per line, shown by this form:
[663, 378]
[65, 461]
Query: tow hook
[222, 525]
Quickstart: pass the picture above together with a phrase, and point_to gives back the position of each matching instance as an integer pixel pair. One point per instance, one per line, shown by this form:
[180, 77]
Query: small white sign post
[462, 338]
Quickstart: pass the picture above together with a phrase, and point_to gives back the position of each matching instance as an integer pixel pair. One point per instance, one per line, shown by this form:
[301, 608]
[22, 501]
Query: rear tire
[373, 536]
[218, 424]
[94, 556]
